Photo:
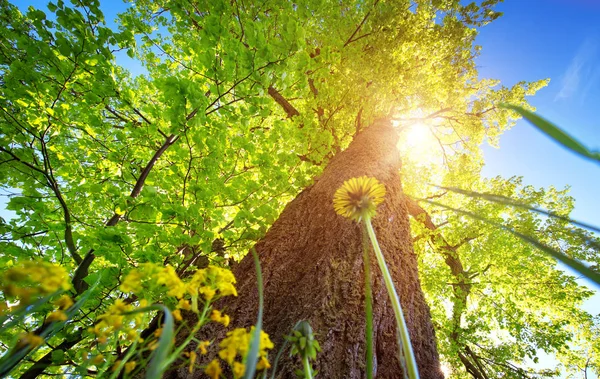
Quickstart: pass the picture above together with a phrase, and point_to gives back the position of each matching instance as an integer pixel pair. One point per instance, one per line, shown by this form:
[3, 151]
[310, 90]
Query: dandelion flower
[358, 198]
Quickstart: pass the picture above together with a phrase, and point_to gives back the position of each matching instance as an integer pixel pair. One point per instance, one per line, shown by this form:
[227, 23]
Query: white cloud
[581, 73]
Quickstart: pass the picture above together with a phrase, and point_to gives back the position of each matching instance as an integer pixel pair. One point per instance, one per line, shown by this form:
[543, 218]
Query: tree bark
[312, 270]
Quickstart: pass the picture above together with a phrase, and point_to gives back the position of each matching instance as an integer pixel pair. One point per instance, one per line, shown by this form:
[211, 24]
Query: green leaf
[58, 356]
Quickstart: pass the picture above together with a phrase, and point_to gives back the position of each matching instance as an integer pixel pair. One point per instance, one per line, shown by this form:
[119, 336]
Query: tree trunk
[312, 267]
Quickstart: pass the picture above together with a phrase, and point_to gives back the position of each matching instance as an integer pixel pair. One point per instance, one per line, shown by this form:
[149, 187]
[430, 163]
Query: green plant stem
[307, 369]
[368, 307]
[411, 363]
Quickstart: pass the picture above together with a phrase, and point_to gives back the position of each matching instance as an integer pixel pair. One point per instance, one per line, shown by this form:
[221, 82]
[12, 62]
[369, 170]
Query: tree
[240, 106]
[312, 264]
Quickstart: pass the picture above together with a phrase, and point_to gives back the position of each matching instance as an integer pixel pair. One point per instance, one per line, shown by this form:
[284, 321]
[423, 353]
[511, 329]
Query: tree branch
[83, 269]
[350, 40]
[279, 99]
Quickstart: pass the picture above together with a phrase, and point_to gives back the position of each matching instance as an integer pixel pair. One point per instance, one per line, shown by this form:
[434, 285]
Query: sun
[418, 134]
[417, 140]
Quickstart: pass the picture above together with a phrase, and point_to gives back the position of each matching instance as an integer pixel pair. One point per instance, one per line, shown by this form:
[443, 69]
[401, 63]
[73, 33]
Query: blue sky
[560, 40]
[536, 39]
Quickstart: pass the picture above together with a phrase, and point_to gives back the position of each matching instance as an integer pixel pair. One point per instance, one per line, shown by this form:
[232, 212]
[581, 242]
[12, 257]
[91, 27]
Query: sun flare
[417, 141]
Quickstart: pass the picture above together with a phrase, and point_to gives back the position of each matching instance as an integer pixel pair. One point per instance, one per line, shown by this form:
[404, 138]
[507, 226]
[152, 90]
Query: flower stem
[411, 363]
[307, 368]
[368, 307]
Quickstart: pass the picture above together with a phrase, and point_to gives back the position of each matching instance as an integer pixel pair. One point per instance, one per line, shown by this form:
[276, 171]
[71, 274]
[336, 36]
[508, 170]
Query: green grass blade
[20, 313]
[252, 357]
[157, 363]
[572, 263]
[508, 201]
[554, 132]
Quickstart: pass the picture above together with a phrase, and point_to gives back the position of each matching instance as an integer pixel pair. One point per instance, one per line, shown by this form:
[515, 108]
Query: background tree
[241, 105]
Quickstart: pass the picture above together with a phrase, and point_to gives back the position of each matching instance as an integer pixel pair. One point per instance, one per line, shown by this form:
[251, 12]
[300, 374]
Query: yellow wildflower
[130, 366]
[207, 292]
[98, 359]
[132, 281]
[358, 198]
[263, 363]
[64, 302]
[238, 369]
[157, 332]
[29, 339]
[184, 304]
[212, 282]
[216, 316]
[57, 316]
[192, 361]
[202, 347]
[213, 369]
[177, 315]
[236, 343]
[169, 278]
[33, 279]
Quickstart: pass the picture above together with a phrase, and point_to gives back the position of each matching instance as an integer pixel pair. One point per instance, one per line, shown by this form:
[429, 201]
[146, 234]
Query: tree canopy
[240, 105]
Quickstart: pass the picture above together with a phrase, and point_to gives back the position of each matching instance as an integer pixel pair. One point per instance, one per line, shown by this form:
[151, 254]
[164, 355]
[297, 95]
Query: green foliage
[239, 107]
[490, 289]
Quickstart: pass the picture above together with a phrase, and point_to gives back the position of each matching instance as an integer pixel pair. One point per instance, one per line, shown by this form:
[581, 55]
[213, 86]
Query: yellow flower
[177, 315]
[57, 316]
[29, 339]
[202, 347]
[129, 366]
[263, 363]
[216, 316]
[213, 369]
[184, 304]
[98, 359]
[33, 279]
[358, 198]
[236, 343]
[207, 292]
[132, 282]
[212, 282]
[64, 302]
[192, 361]
[238, 369]
[169, 278]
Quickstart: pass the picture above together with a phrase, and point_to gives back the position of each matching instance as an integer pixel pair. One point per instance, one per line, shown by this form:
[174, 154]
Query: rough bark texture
[312, 268]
